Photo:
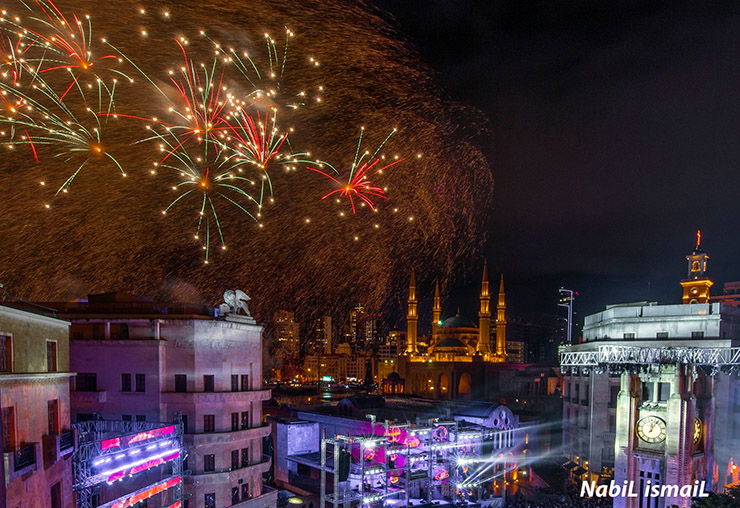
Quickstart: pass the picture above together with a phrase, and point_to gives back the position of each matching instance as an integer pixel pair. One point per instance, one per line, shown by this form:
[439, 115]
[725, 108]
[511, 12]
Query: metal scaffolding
[397, 462]
[110, 451]
[607, 356]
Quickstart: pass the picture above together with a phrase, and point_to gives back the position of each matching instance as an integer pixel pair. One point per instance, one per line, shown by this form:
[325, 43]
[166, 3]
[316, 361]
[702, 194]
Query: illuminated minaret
[484, 317]
[436, 310]
[501, 321]
[411, 319]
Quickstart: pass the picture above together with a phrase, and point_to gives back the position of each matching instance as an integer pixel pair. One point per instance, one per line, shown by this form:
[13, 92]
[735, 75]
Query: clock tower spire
[696, 284]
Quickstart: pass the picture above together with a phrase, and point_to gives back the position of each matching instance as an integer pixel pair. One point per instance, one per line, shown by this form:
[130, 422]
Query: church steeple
[501, 321]
[484, 317]
[696, 284]
[411, 318]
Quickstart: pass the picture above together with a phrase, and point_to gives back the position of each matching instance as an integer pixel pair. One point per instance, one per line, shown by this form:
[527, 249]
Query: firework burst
[70, 131]
[358, 185]
[209, 177]
[50, 41]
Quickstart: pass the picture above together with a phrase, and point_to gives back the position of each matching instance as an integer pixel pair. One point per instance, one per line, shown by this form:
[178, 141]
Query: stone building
[652, 394]
[34, 387]
[142, 360]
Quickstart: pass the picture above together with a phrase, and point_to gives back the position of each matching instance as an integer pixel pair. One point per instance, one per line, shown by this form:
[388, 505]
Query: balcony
[230, 475]
[216, 397]
[85, 398]
[207, 438]
[268, 498]
[58, 446]
[22, 461]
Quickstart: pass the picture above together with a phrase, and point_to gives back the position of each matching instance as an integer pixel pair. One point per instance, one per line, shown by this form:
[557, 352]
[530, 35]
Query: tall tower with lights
[437, 309]
[484, 317]
[501, 321]
[696, 284]
[412, 318]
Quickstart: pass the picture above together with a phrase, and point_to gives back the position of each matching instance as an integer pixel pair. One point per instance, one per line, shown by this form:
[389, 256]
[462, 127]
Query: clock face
[651, 429]
[697, 430]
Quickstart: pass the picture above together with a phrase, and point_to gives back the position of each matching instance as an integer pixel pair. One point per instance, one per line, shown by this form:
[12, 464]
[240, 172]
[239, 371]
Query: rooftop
[110, 305]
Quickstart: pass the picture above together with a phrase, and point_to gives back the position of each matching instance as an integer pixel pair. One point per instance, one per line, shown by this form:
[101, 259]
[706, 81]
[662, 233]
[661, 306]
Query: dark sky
[617, 135]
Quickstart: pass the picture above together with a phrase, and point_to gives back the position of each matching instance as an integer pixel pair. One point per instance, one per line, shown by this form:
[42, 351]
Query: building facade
[139, 360]
[652, 394]
[460, 360]
[34, 393]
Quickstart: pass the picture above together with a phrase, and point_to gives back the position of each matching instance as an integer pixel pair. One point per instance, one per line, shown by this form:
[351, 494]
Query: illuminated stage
[120, 464]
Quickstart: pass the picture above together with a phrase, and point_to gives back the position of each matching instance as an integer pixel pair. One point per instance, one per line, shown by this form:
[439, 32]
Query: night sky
[612, 138]
[615, 138]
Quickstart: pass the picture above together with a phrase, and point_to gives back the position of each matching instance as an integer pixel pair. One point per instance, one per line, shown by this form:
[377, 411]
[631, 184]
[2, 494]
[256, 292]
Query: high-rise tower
[484, 317]
[696, 284]
[501, 321]
[411, 318]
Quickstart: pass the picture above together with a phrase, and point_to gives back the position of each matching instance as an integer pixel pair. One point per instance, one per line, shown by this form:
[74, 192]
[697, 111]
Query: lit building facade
[34, 385]
[143, 361]
[287, 335]
[652, 394]
[460, 360]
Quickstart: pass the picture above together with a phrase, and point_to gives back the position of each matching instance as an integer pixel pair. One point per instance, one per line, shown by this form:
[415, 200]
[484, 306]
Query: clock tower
[696, 284]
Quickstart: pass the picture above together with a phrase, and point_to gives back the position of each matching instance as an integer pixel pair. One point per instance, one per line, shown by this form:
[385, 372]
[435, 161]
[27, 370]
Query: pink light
[151, 491]
[136, 438]
[138, 467]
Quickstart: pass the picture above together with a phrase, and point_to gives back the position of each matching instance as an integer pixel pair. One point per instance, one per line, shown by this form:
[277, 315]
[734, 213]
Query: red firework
[358, 184]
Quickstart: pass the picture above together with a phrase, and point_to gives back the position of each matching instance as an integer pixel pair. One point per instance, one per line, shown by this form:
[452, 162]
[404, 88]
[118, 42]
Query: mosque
[460, 361]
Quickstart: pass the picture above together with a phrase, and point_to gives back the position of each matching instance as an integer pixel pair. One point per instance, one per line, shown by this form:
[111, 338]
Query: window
[613, 423]
[208, 383]
[245, 491]
[697, 335]
[56, 495]
[648, 391]
[245, 383]
[245, 420]
[84, 417]
[209, 423]
[234, 383]
[119, 331]
[140, 418]
[51, 356]
[234, 421]
[234, 459]
[126, 418]
[613, 395]
[9, 429]
[185, 423]
[210, 500]
[245, 457]
[209, 463]
[629, 336]
[181, 383]
[664, 391]
[87, 382]
[53, 411]
[6, 353]
[125, 382]
[140, 382]
[662, 335]
[234, 495]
